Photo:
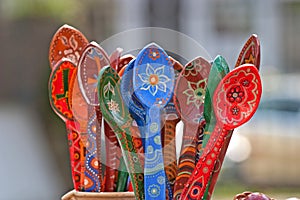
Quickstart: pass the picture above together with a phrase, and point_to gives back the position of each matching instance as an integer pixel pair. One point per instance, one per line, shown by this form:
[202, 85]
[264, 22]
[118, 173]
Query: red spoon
[59, 92]
[189, 98]
[250, 54]
[235, 101]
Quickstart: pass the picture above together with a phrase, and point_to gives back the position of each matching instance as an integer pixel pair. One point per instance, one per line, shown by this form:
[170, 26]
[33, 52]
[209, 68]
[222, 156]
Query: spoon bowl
[68, 43]
[92, 60]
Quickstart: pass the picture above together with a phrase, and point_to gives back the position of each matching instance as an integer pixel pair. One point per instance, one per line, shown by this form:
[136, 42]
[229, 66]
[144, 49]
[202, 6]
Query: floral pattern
[154, 54]
[235, 94]
[196, 93]
[238, 95]
[154, 79]
[197, 66]
[113, 106]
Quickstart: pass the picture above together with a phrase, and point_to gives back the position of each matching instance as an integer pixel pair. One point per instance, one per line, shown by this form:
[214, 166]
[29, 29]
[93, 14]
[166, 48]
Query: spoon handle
[93, 175]
[196, 185]
[186, 163]
[131, 160]
[122, 176]
[155, 176]
[218, 165]
[111, 145]
[169, 150]
[75, 154]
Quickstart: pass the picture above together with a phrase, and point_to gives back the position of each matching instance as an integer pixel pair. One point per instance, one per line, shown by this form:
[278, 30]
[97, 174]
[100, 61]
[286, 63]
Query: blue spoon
[135, 107]
[153, 84]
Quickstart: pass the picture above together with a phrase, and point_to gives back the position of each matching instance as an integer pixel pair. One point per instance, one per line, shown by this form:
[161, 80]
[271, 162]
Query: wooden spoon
[59, 81]
[250, 54]
[153, 83]
[172, 117]
[117, 116]
[235, 101]
[218, 71]
[189, 98]
[135, 107]
[92, 60]
[88, 127]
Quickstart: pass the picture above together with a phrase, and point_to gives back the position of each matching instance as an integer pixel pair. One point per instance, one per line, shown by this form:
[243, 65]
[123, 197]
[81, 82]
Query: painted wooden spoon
[117, 115]
[87, 125]
[168, 134]
[59, 81]
[67, 42]
[135, 107]
[250, 54]
[235, 101]
[189, 98]
[153, 83]
[218, 71]
[92, 60]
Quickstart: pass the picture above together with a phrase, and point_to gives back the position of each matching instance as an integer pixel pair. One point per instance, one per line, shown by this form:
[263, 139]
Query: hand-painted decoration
[92, 60]
[123, 62]
[59, 92]
[250, 54]
[117, 115]
[189, 98]
[140, 114]
[89, 128]
[68, 43]
[168, 134]
[153, 83]
[230, 113]
[136, 109]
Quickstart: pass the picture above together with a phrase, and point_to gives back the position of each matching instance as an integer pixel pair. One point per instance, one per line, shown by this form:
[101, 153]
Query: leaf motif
[64, 40]
[108, 88]
[73, 42]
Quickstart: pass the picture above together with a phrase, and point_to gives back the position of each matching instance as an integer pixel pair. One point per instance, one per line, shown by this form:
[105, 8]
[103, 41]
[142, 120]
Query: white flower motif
[154, 79]
[113, 106]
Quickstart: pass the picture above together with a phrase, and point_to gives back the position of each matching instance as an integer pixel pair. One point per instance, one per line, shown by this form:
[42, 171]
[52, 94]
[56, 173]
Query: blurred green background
[34, 159]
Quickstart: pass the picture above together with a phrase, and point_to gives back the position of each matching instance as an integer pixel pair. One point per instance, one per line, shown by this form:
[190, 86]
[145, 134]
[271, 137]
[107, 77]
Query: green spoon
[117, 115]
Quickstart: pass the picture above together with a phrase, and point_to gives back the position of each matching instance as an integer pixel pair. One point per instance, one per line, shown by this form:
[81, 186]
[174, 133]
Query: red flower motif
[235, 94]
[154, 54]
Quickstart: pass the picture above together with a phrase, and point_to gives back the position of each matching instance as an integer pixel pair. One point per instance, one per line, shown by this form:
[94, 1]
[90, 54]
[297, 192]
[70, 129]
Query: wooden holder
[74, 195]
